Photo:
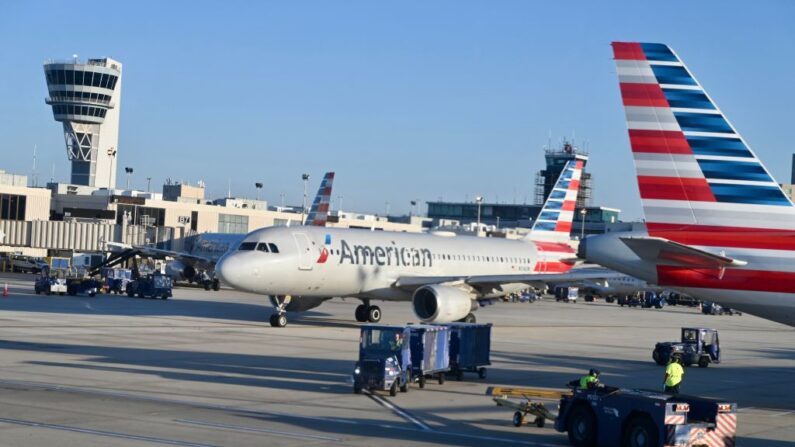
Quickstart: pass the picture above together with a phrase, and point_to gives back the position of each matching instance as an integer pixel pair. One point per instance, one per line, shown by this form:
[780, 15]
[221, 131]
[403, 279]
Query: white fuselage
[367, 264]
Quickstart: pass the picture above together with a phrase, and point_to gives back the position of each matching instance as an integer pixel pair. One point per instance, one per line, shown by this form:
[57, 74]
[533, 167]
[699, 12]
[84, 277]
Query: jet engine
[179, 271]
[442, 304]
[302, 304]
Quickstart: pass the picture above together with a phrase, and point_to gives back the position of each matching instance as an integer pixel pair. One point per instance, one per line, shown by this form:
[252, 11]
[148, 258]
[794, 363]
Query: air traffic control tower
[85, 98]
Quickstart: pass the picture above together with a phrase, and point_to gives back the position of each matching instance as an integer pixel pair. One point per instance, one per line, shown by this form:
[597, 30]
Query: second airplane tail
[555, 219]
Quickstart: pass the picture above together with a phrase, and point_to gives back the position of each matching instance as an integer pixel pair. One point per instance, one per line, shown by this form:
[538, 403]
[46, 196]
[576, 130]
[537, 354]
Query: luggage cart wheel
[393, 389]
[441, 378]
[482, 373]
[518, 419]
[422, 381]
[540, 422]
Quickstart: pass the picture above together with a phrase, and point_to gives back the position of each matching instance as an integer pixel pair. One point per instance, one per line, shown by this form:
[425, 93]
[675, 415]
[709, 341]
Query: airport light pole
[112, 155]
[129, 172]
[479, 201]
[258, 186]
[413, 206]
[149, 184]
[583, 211]
[305, 178]
[387, 209]
[339, 203]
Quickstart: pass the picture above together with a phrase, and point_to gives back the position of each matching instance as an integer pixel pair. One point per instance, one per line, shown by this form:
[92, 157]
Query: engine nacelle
[442, 304]
[302, 304]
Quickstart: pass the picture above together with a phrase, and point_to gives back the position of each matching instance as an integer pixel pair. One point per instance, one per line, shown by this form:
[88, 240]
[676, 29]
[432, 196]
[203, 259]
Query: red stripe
[733, 279]
[568, 205]
[644, 95]
[327, 191]
[552, 267]
[563, 226]
[715, 236]
[322, 207]
[553, 247]
[659, 141]
[675, 188]
[574, 185]
[628, 50]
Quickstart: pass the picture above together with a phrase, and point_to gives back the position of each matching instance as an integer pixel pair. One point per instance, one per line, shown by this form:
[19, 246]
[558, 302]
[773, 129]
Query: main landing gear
[367, 313]
[470, 318]
[279, 317]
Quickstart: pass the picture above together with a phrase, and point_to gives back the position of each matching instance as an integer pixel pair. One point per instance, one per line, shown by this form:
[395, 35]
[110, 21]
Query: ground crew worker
[673, 375]
[396, 343]
[591, 380]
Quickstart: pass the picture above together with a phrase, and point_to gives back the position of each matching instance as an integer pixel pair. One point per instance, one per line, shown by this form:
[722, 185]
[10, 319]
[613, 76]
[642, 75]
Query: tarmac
[205, 369]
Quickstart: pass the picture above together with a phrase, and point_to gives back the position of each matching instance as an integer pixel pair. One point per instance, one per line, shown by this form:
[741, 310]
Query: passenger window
[273, 247]
[262, 246]
[247, 246]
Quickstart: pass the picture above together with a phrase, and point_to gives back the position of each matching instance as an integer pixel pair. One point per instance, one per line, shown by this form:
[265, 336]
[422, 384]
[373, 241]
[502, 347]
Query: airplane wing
[161, 253]
[495, 281]
[666, 252]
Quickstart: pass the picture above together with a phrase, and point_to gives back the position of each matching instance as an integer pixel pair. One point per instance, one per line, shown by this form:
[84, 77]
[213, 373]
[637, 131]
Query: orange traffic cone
[5, 289]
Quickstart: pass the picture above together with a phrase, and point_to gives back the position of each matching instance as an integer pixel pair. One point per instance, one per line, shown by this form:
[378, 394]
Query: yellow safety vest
[586, 380]
[675, 372]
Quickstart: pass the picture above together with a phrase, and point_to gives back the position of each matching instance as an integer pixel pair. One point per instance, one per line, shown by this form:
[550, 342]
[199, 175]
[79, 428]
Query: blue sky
[404, 100]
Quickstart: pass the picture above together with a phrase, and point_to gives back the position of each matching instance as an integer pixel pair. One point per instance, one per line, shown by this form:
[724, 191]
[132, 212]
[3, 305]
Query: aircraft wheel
[216, 285]
[374, 314]
[441, 378]
[422, 381]
[361, 313]
[518, 419]
[470, 318]
[703, 362]
[278, 320]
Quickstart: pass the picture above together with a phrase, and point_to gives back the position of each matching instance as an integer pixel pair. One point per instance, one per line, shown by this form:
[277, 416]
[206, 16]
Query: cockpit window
[247, 246]
[262, 246]
[273, 247]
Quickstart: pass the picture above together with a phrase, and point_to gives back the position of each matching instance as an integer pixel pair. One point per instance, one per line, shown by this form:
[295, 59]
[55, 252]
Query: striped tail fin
[696, 174]
[554, 221]
[318, 213]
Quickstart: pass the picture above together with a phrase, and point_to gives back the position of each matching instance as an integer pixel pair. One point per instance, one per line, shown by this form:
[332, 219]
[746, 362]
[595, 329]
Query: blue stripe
[691, 99]
[755, 195]
[672, 75]
[563, 184]
[549, 215]
[658, 52]
[734, 170]
[545, 226]
[699, 122]
[557, 194]
[723, 146]
[553, 205]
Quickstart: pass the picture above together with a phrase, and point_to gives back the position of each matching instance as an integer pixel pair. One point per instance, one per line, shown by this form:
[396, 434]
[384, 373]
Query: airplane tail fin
[695, 173]
[318, 213]
[554, 221]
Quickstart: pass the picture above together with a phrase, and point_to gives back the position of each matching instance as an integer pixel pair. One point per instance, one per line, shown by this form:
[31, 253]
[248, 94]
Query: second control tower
[85, 98]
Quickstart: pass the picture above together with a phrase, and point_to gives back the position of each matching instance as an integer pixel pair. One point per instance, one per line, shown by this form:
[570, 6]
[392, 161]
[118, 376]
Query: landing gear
[470, 318]
[279, 317]
[365, 312]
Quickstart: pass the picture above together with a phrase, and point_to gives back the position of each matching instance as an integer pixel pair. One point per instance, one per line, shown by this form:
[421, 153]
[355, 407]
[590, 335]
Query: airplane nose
[226, 271]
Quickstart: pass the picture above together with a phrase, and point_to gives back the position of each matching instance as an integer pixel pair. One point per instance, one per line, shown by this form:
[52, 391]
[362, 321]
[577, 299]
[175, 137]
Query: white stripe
[244, 428]
[667, 63]
[741, 182]
[702, 111]
[682, 87]
[711, 134]
[724, 158]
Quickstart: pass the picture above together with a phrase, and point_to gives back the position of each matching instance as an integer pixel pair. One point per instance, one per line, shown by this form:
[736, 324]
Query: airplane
[718, 226]
[198, 263]
[444, 275]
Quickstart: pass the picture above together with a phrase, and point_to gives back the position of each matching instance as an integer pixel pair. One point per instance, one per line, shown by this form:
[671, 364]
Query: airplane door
[304, 251]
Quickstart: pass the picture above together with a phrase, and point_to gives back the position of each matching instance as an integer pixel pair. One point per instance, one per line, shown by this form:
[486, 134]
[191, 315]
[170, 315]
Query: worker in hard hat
[673, 374]
[590, 381]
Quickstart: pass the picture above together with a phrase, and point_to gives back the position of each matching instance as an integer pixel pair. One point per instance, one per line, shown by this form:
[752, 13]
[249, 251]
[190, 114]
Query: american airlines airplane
[719, 227]
[199, 263]
[444, 275]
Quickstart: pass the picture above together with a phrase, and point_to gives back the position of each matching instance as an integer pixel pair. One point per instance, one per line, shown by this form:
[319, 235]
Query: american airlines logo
[384, 255]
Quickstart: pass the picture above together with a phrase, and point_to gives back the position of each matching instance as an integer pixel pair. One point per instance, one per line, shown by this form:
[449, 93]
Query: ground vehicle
[49, 284]
[628, 300]
[430, 352]
[116, 279]
[155, 285]
[76, 285]
[567, 294]
[470, 347]
[26, 264]
[608, 416]
[651, 299]
[384, 359]
[698, 346]
[710, 308]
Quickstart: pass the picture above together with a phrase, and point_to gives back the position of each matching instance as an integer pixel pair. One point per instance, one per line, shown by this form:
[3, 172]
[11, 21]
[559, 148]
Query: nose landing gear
[367, 313]
[279, 316]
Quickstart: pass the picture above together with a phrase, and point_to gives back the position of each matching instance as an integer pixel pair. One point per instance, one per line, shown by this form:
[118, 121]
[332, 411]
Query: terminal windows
[12, 207]
[231, 223]
[80, 77]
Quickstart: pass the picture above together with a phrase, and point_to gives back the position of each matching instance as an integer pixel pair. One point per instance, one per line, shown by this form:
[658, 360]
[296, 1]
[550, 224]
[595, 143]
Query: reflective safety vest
[675, 372]
[587, 380]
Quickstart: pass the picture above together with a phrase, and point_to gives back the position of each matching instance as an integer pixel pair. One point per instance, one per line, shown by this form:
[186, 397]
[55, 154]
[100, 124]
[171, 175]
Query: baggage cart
[470, 348]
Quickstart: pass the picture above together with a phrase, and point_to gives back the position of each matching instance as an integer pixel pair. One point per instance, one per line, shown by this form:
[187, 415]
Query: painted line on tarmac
[245, 428]
[109, 434]
[399, 411]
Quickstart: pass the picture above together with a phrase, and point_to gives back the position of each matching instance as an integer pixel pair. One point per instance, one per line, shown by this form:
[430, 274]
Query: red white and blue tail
[554, 221]
[695, 172]
[318, 213]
